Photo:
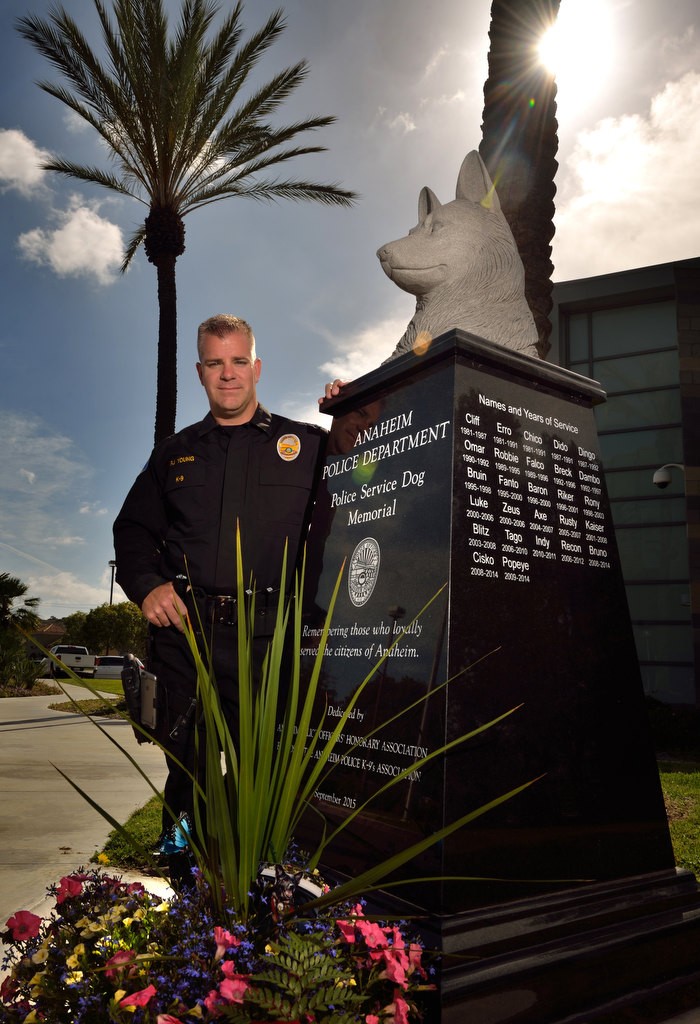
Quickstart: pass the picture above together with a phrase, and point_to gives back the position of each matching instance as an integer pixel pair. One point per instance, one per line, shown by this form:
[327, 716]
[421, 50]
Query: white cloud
[75, 124]
[363, 351]
[64, 542]
[92, 509]
[20, 162]
[633, 195]
[61, 593]
[354, 355]
[28, 475]
[84, 244]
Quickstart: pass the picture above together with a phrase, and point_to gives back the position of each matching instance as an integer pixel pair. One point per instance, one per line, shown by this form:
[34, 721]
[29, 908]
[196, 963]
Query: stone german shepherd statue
[462, 264]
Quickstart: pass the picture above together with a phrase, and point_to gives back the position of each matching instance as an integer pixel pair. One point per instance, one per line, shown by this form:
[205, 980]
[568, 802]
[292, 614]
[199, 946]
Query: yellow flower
[41, 955]
[74, 977]
[73, 960]
[31, 1018]
[119, 995]
[162, 908]
[102, 858]
[36, 980]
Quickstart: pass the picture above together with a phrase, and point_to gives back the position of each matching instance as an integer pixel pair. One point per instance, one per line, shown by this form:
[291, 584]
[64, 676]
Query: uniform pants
[173, 665]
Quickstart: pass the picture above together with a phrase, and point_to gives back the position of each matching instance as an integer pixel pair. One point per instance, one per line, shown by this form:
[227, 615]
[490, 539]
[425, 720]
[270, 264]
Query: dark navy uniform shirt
[180, 515]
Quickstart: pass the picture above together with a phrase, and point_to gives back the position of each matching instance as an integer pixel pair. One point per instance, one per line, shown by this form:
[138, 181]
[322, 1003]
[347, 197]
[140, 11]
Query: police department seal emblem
[288, 447]
[363, 571]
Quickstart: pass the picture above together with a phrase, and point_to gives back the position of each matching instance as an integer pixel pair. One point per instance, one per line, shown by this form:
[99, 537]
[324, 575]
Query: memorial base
[598, 953]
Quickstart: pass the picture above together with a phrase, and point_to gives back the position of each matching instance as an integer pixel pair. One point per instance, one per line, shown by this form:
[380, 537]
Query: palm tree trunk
[519, 142]
[166, 374]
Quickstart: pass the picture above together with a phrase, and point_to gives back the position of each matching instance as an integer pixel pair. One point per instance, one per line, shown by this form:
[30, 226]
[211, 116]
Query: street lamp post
[113, 566]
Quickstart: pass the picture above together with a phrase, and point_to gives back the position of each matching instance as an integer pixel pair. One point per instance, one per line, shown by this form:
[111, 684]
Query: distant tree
[161, 104]
[15, 666]
[11, 615]
[115, 627]
[519, 143]
[74, 628]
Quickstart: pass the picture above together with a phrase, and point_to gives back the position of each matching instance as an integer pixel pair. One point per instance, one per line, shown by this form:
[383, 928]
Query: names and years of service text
[532, 493]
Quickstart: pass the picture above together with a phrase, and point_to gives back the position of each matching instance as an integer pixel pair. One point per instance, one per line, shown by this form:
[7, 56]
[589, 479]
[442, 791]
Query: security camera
[662, 478]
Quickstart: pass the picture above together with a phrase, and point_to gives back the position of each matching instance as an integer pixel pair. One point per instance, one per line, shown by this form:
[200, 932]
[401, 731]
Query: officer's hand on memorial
[332, 389]
[163, 607]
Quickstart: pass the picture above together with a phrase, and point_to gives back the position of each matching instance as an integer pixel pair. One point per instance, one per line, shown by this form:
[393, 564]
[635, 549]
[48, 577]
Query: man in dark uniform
[239, 464]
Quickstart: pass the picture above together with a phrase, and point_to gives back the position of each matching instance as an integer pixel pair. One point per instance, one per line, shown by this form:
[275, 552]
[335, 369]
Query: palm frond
[132, 245]
[92, 176]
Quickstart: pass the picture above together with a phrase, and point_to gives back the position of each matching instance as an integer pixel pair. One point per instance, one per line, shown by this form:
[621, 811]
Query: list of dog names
[533, 492]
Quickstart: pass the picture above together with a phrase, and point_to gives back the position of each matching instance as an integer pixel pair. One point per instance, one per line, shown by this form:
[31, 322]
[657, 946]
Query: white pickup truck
[73, 657]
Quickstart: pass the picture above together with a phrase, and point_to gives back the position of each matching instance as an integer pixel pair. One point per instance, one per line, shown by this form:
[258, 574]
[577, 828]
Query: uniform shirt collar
[261, 419]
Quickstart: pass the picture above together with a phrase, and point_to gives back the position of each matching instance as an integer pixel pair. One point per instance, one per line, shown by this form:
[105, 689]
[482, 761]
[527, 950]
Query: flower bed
[111, 951]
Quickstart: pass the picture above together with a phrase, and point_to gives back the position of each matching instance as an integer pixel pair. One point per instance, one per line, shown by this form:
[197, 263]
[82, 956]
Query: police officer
[240, 464]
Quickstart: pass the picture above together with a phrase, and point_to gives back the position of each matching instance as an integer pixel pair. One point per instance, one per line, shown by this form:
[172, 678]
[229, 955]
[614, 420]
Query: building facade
[638, 333]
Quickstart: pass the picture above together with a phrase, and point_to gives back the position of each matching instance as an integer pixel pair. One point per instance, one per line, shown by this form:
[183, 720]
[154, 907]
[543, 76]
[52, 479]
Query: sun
[579, 49]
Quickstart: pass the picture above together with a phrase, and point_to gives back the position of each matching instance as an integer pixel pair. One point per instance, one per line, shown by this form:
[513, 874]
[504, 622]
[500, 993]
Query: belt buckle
[224, 610]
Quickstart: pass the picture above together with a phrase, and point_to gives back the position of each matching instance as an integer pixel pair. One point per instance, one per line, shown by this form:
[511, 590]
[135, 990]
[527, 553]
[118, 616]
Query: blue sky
[78, 341]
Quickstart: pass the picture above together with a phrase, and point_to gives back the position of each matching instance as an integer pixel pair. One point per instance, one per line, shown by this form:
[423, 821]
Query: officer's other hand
[162, 607]
[332, 389]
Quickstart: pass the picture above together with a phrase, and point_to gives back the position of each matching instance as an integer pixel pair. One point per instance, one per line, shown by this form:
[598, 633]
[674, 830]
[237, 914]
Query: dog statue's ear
[427, 202]
[474, 183]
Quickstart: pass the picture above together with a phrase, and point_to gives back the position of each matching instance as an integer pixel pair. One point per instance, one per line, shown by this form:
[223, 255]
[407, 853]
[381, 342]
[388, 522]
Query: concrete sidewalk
[47, 829]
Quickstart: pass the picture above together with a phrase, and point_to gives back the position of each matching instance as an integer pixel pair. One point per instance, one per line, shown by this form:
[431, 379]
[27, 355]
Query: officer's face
[229, 375]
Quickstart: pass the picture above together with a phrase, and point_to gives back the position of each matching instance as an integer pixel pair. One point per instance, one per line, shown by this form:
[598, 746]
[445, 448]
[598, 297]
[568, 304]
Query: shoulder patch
[288, 447]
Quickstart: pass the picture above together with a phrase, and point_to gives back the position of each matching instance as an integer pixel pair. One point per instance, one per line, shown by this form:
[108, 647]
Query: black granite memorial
[468, 479]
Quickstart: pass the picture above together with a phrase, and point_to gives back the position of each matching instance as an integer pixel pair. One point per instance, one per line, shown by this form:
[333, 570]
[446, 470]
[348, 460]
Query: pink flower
[347, 930]
[395, 971]
[141, 998]
[167, 1018]
[400, 1009]
[371, 932]
[137, 888]
[228, 969]
[8, 989]
[233, 989]
[371, 1018]
[212, 1002]
[118, 962]
[69, 886]
[24, 925]
[224, 940]
[414, 959]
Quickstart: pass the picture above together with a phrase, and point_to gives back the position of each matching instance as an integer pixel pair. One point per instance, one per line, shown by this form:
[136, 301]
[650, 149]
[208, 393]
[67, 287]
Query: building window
[633, 352]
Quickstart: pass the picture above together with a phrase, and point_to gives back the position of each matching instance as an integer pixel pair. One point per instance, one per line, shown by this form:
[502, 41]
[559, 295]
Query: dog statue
[462, 264]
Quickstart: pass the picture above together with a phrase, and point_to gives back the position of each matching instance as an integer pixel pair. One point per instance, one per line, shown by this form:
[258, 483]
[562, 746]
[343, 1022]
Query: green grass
[144, 824]
[103, 685]
[680, 782]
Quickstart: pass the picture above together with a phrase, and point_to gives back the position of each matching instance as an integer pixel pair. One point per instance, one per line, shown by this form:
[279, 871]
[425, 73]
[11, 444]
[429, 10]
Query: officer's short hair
[222, 324]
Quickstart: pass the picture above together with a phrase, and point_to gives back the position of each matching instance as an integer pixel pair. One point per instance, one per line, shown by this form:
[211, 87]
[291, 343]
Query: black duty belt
[222, 609]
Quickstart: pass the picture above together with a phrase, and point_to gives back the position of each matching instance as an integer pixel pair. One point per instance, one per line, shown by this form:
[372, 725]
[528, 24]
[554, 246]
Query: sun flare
[579, 50]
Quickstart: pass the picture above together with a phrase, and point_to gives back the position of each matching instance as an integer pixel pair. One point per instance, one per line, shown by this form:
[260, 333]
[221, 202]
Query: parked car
[109, 666]
[73, 657]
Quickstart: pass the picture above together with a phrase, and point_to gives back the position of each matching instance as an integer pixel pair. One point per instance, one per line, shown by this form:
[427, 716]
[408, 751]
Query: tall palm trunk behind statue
[520, 143]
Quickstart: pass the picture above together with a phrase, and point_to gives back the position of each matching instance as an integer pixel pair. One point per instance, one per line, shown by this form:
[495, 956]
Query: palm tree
[162, 104]
[519, 143]
[24, 617]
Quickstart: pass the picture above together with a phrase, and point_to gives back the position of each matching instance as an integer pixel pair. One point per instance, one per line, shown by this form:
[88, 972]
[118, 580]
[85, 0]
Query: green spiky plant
[274, 763]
